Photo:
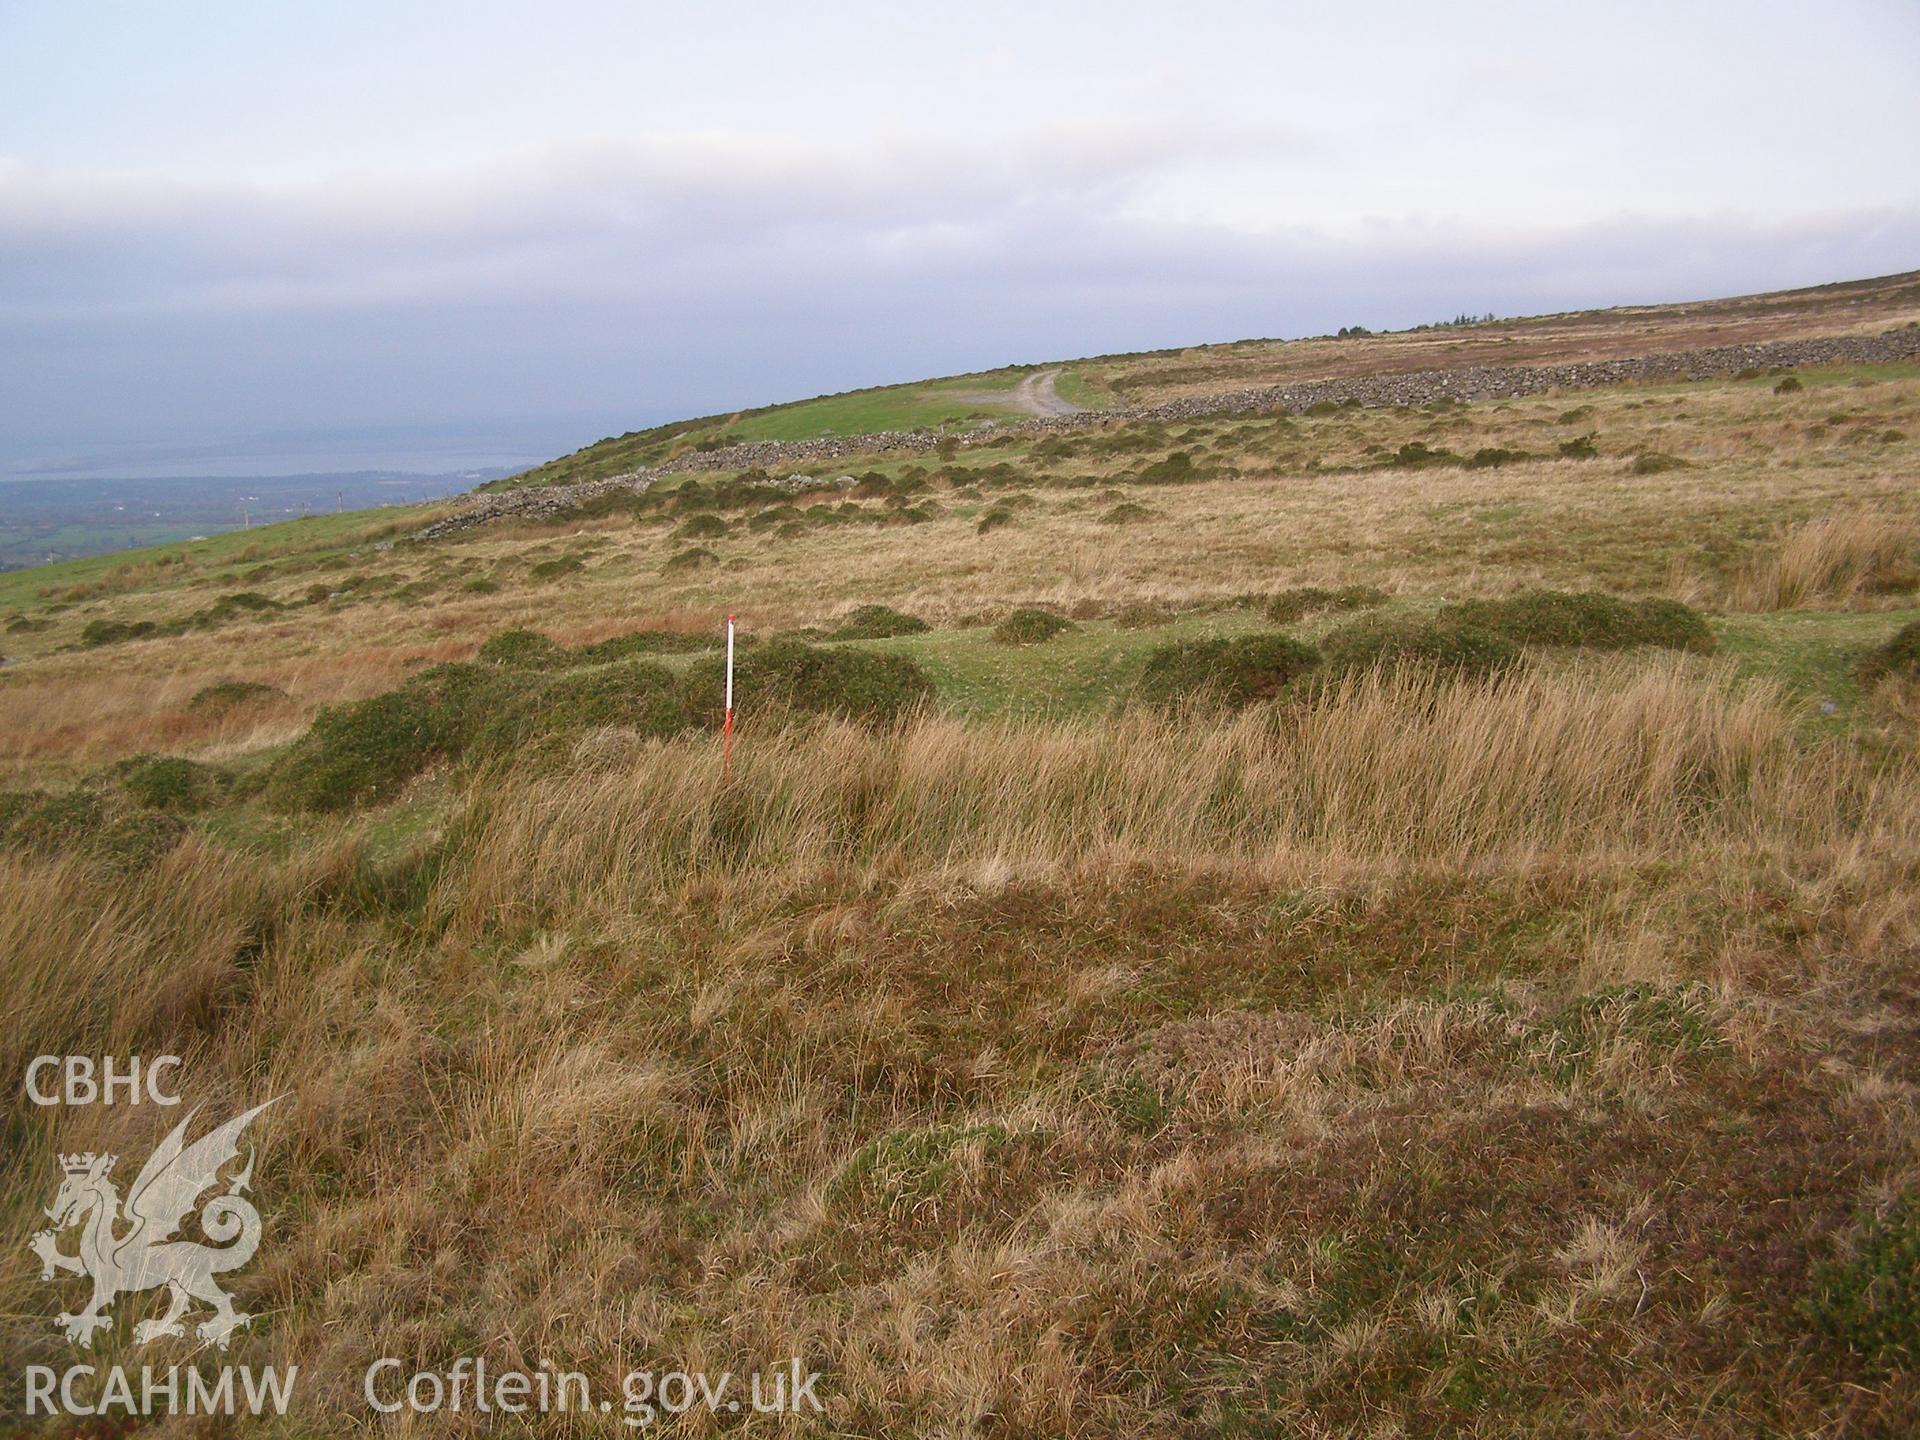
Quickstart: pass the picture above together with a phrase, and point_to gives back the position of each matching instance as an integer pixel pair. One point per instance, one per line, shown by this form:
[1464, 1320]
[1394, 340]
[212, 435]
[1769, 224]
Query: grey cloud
[649, 278]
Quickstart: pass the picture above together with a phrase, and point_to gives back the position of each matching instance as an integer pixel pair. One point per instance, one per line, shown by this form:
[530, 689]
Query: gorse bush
[244, 602]
[1303, 600]
[366, 751]
[90, 823]
[1030, 626]
[877, 622]
[1418, 455]
[1233, 672]
[1589, 619]
[1454, 648]
[359, 752]
[994, 518]
[35, 820]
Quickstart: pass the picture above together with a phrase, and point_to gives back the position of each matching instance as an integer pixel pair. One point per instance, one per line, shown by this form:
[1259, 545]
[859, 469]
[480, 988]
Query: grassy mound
[1655, 462]
[1140, 615]
[169, 782]
[112, 632]
[877, 622]
[996, 517]
[695, 558]
[648, 642]
[1177, 469]
[1443, 645]
[1234, 672]
[701, 527]
[1029, 626]
[1899, 657]
[1587, 619]
[788, 675]
[1304, 600]
[557, 569]
[367, 750]
[524, 649]
[639, 695]
[229, 695]
[91, 823]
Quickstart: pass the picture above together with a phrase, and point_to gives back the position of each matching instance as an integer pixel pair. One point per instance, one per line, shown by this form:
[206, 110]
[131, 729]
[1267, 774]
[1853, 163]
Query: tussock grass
[1387, 766]
[1833, 562]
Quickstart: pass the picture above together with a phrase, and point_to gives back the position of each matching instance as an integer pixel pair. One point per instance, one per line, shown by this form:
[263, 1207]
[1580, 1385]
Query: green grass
[20, 589]
[1081, 671]
[1091, 668]
[1078, 388]
[898, 407]
[1811, 652]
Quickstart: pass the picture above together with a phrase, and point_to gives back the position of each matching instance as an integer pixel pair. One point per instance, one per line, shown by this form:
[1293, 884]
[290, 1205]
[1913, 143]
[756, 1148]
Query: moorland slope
[1392, 918]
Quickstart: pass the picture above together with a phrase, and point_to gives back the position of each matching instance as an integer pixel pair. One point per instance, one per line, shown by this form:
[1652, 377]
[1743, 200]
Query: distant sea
[56, 506]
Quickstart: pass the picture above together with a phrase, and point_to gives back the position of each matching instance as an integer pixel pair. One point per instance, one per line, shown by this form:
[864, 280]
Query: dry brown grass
[1303, 506]
[1419, 1058]
[1078, 1079]
[1863, 308]
[1388, 770]
[1841, 561]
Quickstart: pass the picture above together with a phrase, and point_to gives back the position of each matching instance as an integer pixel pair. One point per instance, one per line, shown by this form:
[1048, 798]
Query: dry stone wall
[1419, 387]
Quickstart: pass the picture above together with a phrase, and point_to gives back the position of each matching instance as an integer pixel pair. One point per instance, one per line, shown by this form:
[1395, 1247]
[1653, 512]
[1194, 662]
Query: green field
[930, 406]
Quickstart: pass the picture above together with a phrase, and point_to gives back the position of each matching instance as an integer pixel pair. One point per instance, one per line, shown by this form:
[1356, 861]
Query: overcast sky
[220, 218]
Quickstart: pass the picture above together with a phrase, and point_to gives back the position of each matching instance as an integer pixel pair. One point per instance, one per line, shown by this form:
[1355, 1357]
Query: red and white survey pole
[726, 725]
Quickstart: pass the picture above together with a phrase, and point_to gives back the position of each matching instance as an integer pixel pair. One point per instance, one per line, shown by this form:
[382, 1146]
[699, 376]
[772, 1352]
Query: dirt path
[1035, 395]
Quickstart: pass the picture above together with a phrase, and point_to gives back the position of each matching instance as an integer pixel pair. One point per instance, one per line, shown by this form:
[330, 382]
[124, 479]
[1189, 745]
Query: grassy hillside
[968, 403]
[1392, 921]
[959, 404]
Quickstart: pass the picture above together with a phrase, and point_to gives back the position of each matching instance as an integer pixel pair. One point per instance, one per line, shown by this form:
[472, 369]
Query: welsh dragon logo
[144, 1255]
